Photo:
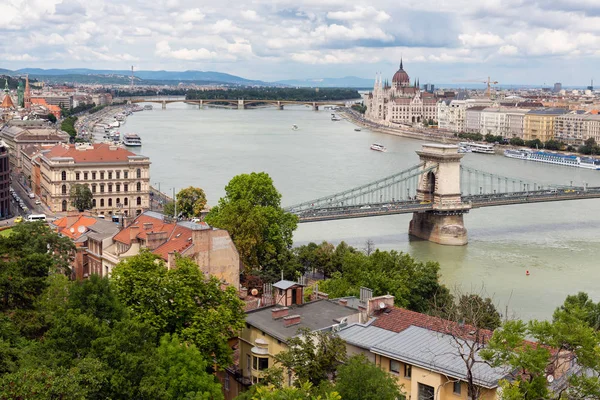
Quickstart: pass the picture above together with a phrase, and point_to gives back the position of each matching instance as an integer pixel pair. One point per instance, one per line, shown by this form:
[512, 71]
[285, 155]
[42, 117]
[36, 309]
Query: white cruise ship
[554, 158]
[378, 147]
[132, 140]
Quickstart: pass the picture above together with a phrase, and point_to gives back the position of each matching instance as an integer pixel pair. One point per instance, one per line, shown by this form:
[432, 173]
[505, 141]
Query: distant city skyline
[512, 41]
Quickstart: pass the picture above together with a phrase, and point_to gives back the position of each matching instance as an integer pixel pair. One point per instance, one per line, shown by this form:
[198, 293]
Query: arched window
[125, 201]
[110, 202]
[94, 203]
[139, 186]
[101, 202]
[64, 205]
[64, 189]
[118, 201]
[63, 175]
[139, 173]
[139, 201]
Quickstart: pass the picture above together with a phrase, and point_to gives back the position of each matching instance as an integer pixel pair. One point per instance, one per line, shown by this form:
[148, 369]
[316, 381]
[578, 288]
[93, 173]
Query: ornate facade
[400, 103]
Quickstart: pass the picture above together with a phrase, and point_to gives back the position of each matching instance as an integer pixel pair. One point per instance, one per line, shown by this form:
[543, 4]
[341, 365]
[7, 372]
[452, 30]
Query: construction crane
[488, 82]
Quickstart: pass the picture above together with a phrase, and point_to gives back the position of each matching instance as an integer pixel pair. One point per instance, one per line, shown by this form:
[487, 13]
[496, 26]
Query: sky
[440, 41]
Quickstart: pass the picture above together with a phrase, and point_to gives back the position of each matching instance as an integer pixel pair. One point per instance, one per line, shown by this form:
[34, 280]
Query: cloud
[163, 49]
[250, 15]
[479, 40]
[359, 13]
[508, 50]
[191, 15]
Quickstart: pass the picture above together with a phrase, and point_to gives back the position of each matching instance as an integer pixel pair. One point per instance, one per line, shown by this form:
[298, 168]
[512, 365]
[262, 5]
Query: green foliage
[313, 356]
[76, 110]
[474, 310]
[477, 137]
[271, 93]
[68, 125]
[81, 197]
[95, 109]
[51, 117]
[180, 301]
[169, 209]
[190, 202]
[323, 258]
[589, 147]
[534, 144]
[180, 373]
[516, 141]
[414, 284]
[360, 379]
[361, 108]
[251, 212]
[291, 393]
[583, 308]
[493, 138]
[553, 145]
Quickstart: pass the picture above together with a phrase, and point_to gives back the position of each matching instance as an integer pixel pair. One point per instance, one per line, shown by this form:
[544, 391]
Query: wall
[217, 255]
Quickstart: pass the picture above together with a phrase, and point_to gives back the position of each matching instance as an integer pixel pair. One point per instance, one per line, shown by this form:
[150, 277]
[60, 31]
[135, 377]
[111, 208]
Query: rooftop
[96, 153]
[315, 315]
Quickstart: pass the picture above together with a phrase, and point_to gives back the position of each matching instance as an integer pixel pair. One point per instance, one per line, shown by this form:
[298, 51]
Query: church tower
[27, 96]
[20, 93]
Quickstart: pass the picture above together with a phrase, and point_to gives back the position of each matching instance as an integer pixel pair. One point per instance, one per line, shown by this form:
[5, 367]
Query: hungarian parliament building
[400, 103]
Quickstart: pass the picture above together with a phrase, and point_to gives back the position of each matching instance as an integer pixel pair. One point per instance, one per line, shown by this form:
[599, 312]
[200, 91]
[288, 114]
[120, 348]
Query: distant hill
[143, 76]
[348, 81]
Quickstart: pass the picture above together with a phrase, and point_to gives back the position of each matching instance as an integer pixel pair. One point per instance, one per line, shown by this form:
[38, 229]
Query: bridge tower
[241, 104]
[440, 186]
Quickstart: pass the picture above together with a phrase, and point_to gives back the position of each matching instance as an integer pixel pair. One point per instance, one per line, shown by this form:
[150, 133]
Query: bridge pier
[444, 224]
[164, 105]
[315, 107]
[200, 104]
[241, 105]
[279, 105]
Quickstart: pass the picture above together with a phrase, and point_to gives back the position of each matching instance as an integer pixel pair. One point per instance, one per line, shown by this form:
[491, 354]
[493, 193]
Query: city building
[91, 236]
[51, 108]
[399, 103]
[539, 123]
[7, 102]
[493, 121]
[27, 94]
[429, 87]
[118, 179]
[473, 119]
[58, 100]
[5, 210]
[575, 128]
[212, 249]
[515, 121]
[451, 113]
[557, 87]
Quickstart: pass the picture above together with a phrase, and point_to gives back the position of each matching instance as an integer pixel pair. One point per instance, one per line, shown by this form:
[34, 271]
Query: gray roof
[283, 285]
[549, 111]
[365, 336]
[154, 214]
[194, 226]
[102, 229]
[315, 316]
[436, 352]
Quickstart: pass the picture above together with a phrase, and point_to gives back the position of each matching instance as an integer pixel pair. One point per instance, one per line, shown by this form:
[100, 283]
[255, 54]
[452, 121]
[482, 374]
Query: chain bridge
[240, 104]
[438, 191]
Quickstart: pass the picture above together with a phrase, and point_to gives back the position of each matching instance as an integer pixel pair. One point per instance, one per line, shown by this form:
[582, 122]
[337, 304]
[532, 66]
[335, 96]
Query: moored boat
[554, 158]
[378, 147]
[335, 117]
[132, 140]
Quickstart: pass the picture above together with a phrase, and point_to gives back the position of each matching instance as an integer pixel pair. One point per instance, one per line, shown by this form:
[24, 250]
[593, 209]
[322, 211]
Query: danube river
[557, 242]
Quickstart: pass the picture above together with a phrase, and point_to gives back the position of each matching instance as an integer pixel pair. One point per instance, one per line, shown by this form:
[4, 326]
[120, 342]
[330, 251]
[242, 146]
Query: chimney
[280, 312]
[343, 302]
[291, 320]
[155, 239]
[134, 230]
[380, 303]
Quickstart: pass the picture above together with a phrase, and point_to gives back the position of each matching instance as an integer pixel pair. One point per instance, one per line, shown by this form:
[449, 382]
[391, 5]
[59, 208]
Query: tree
[180, 301]
[360, 379]
[313, 356]
[583, 308]
[269, 392]
[251, 212]
[534, 144]
[475, 310]
[81, 197]
[516, 141]
[190, 202]
[180, 373]
[553, 145]
[51, 117]
[169, 209]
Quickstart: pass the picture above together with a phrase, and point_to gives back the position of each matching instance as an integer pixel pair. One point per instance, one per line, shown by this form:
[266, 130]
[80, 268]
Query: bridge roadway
[472, 201]
[240, 103]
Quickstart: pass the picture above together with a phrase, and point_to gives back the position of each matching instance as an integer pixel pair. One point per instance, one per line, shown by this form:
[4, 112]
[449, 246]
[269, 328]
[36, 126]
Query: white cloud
[479, 40]
[163, 49]
[191, 15]
[250, 15]
[508, 50]
[359, 13]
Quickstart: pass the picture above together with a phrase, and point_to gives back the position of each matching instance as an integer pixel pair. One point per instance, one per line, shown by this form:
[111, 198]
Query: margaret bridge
[240, 104]
[437, 191]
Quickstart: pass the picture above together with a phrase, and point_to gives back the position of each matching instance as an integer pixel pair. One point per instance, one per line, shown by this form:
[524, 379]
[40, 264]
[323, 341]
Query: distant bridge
[438, 191]
[235, 103]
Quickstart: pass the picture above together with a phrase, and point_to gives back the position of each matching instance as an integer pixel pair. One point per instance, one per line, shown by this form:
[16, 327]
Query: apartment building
[576, 128]
[493, 121]
[539, 123]
[451, 113]
[473, 119]
[118, 179]
[515, 121]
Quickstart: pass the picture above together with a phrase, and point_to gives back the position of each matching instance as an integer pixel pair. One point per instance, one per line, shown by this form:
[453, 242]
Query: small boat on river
[378, 147]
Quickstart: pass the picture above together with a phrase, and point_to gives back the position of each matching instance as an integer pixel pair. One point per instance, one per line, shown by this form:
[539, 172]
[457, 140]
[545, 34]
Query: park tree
[516, 141]
[190, 202]
[360, 379]
[304, 392]
[51, 117]
[312, 356]
[180, 301]
[251, 212]
[81, 197]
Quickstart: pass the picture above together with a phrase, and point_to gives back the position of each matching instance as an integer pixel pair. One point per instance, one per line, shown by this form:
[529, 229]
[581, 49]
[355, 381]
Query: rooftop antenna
[131, 84]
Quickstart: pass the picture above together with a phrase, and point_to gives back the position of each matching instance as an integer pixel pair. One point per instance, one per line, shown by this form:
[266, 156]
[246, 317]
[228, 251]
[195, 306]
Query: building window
[139, 173]
[64, 189]
[394, 366]
[102, 188]
[139, 186]
[260, 363]
[139, 201]
[110, 202]
[426, 392]
[407, 371]
[64, 205]
[101, 202]
[63, 175]
[125, 201]
[102, 175]
[125, 174]
[94, 203]
[118, 201]
[118, 174]
[457, 387]
[109, 174]
[93, 176]
[118, 187]
[85, 176]
[110, 188]
[226, 383]
[94, 188]
[125, 187]
[77, 176]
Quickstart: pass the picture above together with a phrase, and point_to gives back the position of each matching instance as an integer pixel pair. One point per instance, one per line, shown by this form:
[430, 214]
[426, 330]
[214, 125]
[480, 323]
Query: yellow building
[118, 179]
[539, 123]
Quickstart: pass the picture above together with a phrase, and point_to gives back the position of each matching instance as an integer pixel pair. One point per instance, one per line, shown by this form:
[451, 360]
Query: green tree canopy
[251, 212]
[51, 117]
[360, 379]
[81, 197]
[190, 202]
[180, 301]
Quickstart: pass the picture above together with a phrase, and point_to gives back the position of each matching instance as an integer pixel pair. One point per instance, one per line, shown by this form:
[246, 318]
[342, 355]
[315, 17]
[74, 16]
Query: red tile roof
[102, 152]
[179, 241]
[73, 231]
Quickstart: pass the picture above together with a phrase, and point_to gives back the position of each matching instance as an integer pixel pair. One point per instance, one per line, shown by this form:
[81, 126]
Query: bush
[517, 141]
[471, 136]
